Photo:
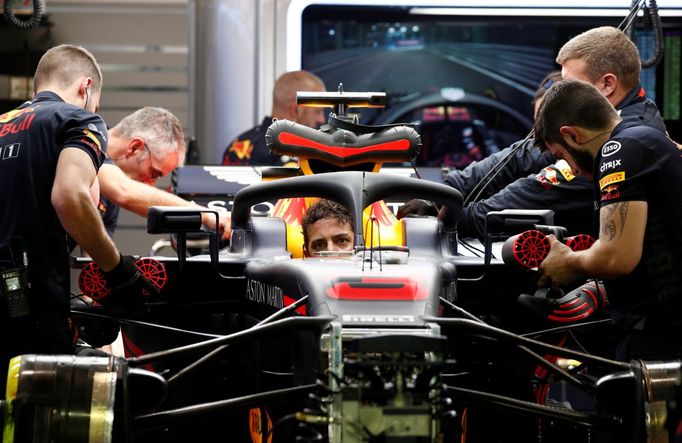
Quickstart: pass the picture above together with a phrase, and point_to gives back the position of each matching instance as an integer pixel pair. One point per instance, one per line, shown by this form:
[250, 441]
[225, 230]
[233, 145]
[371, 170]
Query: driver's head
[327, 226]
[284, 98]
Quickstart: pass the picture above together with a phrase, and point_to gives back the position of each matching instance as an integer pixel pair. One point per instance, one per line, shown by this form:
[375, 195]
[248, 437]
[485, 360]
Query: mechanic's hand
[418, 207]
[224, 221]
[556, 268]
[128, 287]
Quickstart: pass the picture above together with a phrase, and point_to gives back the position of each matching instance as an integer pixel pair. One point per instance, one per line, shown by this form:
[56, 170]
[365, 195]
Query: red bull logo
[17, 124]
[11, 115]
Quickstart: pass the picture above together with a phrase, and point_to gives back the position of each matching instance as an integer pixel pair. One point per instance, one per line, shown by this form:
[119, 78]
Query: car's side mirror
[181, 220]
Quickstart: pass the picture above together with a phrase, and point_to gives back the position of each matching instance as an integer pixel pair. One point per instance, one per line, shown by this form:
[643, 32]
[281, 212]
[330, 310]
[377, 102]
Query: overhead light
[537, 12]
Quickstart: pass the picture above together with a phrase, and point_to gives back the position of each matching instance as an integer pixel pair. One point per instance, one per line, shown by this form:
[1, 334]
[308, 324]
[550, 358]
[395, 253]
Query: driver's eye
[319, 246]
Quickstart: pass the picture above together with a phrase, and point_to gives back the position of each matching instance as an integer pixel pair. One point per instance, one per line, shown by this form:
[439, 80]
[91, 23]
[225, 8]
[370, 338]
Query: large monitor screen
[468, 81]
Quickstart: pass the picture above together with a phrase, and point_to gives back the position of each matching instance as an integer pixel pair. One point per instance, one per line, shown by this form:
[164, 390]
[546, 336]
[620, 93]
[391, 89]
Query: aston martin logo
[244, 175]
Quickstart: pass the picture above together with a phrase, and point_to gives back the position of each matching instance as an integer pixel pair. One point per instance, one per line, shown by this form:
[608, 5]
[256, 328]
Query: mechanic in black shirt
[51, 149]
[637, 175]
[249, 148]
[602, 56]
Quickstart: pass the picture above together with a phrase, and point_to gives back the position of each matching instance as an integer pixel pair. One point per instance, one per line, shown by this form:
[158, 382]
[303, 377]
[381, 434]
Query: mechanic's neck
[117, 145]
[68, 94]
[597, 138]
[617, 96]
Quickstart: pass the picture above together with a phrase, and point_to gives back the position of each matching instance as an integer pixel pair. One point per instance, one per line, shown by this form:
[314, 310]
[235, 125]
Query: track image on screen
[467, 81]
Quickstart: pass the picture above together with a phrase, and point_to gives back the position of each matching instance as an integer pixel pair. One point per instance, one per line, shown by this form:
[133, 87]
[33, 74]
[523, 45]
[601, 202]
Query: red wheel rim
[154, 271]
[530, 248]
[92, 283]
[579, 242]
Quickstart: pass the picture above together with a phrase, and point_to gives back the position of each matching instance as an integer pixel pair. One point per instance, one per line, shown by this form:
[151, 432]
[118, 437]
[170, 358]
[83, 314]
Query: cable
[471, 247]
[219, 349]
[635, 7]
[494, 171]
[414, 166]
[650, 12]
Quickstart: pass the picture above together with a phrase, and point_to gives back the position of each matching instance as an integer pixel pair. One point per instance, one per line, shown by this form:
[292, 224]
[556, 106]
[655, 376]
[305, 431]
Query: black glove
[418, 207]
[128, 287]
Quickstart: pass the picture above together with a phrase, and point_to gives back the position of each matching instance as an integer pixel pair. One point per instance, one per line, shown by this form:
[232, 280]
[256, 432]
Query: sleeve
[525, 160]
[623, 168]
[553, 188]
[85, 131]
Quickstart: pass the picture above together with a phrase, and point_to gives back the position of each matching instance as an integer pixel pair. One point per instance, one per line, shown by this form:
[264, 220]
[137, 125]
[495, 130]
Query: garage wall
[142, 51]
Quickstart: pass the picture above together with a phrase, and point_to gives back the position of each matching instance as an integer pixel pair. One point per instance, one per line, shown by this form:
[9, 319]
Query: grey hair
[160, 129]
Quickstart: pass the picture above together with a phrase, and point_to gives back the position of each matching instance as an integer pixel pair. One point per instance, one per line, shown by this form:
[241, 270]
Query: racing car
[405, 340]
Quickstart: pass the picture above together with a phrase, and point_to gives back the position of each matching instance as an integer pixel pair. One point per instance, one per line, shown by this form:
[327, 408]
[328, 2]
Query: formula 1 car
[405, 340]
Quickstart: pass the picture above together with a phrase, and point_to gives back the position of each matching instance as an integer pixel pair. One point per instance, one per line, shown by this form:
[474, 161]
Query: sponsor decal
[94, 128]
[610, 192]
[612, 164]
[373, 318]
[242, 149]
[17, 126]
[11, 115]
[256, 425]
[264, 293]
[93, 138]
[611, 178]
[543, 181]
[565, 170]
[610, 148]
[550, 174]
[10, 151]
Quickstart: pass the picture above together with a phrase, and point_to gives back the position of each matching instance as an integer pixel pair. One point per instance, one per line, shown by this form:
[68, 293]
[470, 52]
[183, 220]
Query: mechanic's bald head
[327, 226]
[284, 98]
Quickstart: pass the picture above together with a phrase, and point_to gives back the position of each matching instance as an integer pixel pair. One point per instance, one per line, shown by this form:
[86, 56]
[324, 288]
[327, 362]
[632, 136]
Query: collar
[46, 96]
[636, 94]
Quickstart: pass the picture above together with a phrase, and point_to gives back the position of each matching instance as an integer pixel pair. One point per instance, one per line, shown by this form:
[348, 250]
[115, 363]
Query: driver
[327, 226]
[637, 175]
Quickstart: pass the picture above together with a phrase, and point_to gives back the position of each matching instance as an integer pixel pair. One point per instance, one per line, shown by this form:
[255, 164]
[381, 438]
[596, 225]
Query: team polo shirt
[31, 139]
[639, 163]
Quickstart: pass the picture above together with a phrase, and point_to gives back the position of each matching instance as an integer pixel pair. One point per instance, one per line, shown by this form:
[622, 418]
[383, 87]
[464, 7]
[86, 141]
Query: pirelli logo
[611, 179]
[372, 318]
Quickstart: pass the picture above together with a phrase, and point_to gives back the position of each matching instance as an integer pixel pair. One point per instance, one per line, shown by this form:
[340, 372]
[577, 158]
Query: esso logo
[610, 148]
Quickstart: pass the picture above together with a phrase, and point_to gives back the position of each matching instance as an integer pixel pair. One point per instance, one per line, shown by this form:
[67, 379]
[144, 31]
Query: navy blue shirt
[108, 210]
[249, 148]
[31, 139]
[639, 163]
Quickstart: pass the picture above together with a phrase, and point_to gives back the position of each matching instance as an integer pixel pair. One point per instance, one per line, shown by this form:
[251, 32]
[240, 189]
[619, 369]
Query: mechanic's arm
[137, 197]
[71, 200]
[616, 253]
[525, 160]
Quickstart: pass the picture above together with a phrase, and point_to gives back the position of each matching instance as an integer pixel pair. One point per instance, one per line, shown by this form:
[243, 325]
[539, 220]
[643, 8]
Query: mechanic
[637, 175]
[143, 147]
[327, 226]
[249, 148]
[52, 147]
[602, 56]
